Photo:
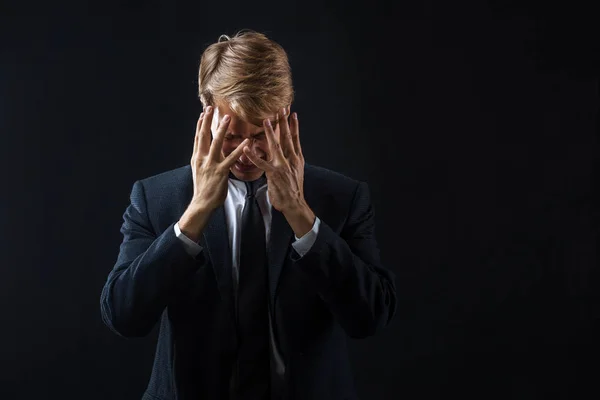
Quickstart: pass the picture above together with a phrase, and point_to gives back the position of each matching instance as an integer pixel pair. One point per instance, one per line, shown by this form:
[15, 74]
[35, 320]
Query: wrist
[301, 219]
[295, 208]
[193, 221]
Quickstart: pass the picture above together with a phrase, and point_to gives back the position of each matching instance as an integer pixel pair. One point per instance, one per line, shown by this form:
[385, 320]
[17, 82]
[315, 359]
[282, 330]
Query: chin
[251, 175]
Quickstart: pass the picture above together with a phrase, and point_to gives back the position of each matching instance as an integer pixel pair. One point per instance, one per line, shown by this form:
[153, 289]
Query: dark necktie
[253, 323]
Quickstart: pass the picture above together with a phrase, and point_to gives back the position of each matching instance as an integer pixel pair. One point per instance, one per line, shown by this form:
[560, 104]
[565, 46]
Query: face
[237, 131]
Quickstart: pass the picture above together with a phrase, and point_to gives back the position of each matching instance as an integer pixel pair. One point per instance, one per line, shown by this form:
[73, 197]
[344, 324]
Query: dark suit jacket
[338, 289]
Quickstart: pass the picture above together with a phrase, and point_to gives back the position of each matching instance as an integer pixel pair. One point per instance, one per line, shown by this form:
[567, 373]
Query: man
[257, 266]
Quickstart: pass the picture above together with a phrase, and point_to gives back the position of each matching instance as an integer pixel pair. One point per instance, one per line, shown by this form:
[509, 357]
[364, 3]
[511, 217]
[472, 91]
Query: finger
[295, 134]
[284, 134]
[274, 146]
[198, 126]
[217, 145]
[234, 155]
[205, 131]
[256, 160]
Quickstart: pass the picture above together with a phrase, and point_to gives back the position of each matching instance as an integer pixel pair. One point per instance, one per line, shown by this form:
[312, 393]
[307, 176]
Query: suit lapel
[217, 241]
[280, 239]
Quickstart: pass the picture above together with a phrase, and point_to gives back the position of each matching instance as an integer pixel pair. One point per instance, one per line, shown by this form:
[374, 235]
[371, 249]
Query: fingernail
[208, 109]
[295, 115]
[284, 111]
[268, 123]
[226, 118]
[201, 115]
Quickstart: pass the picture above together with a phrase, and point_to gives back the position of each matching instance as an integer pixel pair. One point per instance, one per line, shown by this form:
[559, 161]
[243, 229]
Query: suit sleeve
[347, 271]
[148, 269]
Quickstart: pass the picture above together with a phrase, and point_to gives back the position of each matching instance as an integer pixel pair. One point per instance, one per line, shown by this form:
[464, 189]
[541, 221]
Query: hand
[210, 169]
[285, 169]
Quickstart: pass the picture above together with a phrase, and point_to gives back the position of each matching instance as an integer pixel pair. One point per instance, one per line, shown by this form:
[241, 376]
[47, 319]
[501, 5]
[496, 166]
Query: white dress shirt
[234, 205]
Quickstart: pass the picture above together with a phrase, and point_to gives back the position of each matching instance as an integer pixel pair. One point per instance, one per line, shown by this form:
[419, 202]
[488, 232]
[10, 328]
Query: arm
[147, 270]
[347, 271]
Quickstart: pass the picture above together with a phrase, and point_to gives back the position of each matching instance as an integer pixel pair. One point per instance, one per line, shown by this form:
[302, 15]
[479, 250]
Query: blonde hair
[249, 72]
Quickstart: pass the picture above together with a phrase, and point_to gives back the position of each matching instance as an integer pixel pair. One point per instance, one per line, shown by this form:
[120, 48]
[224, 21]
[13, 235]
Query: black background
[474, 124]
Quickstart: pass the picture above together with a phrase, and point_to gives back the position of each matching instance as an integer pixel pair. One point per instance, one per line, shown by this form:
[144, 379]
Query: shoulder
[166, 189]
[335, 197]
[319, 174]
[168, 179]
[325, 186]
[164, 195]
[327, 180]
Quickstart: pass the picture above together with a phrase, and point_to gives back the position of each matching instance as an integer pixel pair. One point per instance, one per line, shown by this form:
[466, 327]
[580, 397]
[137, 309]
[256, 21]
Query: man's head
[247, 77]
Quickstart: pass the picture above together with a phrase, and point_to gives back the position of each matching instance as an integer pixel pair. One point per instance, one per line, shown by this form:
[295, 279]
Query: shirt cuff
[304, 244]
[191, 247]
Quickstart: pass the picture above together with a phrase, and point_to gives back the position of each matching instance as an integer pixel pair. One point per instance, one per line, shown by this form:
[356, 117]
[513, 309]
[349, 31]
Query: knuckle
[203, 161]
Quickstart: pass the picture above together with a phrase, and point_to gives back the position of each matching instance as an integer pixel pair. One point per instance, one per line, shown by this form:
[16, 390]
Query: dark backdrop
[474, 124]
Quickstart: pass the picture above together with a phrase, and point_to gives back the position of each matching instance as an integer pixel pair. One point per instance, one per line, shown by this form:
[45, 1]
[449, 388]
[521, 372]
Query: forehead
[224, 109]
[238, 125]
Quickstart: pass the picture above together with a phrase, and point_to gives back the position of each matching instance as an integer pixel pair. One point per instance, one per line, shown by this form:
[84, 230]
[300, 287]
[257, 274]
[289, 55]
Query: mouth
[243, 167]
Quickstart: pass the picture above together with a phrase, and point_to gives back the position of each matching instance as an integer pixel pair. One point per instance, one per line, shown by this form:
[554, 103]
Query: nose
[255, 147]
[244, 159]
